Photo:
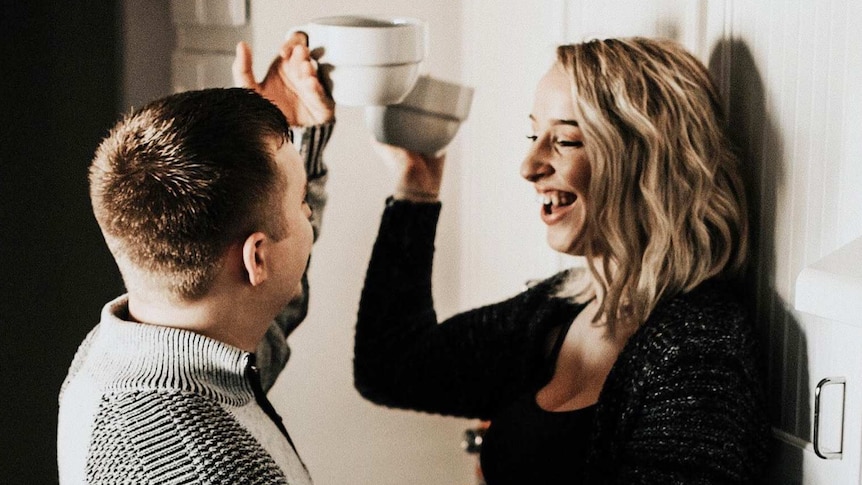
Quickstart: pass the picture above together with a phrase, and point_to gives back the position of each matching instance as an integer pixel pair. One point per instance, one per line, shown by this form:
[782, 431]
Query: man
[210, 213]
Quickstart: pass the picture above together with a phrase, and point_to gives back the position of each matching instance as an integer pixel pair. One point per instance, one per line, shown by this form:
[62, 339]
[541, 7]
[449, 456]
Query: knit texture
[682, 404]
[148, 404]
[172, 437]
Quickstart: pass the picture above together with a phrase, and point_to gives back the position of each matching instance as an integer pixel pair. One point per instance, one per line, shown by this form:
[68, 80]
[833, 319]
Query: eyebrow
[559, 122]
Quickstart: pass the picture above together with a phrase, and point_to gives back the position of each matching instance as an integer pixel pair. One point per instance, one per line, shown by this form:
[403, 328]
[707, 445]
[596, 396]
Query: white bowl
[426, 120]
[367, 41]
[372, 85]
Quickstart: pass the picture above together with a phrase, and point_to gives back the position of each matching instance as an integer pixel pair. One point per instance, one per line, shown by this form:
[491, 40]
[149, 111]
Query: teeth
[565, 198]
[555, 198]
[543, 199]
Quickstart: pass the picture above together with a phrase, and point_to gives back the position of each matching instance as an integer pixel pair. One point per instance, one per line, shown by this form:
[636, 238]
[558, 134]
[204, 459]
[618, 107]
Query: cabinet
[824, 446]
[828, 350]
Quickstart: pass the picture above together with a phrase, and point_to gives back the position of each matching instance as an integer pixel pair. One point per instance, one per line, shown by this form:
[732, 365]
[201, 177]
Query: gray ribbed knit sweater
[151, 404]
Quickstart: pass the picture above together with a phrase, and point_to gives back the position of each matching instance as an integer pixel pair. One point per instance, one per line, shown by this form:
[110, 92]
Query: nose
[534, 167]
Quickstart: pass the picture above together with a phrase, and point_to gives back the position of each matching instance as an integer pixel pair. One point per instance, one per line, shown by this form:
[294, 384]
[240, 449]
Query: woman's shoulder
[694, 336]
[709, 319]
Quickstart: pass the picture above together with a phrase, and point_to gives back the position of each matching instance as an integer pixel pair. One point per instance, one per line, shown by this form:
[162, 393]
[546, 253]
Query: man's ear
[254, 254]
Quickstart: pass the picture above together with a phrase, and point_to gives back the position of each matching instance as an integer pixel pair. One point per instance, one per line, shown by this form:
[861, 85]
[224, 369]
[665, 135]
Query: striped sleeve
[311, 141]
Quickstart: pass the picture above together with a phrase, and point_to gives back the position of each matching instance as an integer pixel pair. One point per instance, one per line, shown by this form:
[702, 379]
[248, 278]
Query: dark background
[60, 91]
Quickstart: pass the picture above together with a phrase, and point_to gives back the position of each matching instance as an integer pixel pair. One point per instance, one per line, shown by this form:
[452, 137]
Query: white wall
[343, 438]
[508, 47]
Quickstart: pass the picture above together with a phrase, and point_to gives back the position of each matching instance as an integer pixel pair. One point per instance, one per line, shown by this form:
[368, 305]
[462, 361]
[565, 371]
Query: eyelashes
[561, 143]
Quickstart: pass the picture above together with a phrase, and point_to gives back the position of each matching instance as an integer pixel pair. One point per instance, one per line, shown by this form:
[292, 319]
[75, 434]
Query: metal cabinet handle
[827, 455]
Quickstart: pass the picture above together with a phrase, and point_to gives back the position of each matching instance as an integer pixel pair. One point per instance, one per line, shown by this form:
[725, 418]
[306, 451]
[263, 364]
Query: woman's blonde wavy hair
[667, 206]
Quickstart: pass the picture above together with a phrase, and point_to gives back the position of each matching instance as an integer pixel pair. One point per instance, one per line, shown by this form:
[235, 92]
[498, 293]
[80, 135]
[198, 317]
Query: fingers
[402, 156]
[301, 70]
[298, 38]
[291, 82]
[243, 76]
[295, 59]
[393, 157]
[418, 176]
[300, 63]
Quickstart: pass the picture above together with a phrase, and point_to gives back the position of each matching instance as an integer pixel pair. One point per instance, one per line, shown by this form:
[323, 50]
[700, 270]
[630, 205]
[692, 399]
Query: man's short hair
[180, 179]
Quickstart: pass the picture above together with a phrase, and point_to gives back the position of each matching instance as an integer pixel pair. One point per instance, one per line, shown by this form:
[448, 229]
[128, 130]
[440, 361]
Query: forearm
[464, 366]
[398, 281]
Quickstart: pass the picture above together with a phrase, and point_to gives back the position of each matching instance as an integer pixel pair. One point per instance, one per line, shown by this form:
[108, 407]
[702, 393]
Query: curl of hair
[177, 181]
[667, 205]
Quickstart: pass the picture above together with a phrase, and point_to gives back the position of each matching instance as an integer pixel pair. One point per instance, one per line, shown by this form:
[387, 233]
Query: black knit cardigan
[682, 404]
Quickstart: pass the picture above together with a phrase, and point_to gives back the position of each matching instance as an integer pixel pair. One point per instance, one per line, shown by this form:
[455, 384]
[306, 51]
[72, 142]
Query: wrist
[417, 182]
[310, 141]
[415, 195]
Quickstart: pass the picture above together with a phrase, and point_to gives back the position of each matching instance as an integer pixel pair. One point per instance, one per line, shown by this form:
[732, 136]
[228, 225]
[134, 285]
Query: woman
[640, 368]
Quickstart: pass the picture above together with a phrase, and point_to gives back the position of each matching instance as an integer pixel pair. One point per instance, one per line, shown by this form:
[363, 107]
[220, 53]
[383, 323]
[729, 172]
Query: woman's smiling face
[557, 163]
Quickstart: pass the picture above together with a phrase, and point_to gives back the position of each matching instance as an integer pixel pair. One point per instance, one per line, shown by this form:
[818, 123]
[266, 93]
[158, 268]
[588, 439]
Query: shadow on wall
[761, 149]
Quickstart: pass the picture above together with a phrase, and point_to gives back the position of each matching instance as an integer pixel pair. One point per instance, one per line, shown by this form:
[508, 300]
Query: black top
[526, 444]
[683, 403]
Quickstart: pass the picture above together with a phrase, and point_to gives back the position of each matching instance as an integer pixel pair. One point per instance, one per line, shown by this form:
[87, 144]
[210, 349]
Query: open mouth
[555, 200]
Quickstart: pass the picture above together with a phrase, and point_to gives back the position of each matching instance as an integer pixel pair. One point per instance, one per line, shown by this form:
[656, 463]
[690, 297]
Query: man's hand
[291, 82]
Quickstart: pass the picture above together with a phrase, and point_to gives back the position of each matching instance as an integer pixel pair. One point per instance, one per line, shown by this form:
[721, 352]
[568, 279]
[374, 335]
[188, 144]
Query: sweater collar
[138, 355]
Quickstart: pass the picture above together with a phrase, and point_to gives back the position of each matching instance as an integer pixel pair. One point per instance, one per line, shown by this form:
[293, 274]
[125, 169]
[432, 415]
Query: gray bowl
[426, 120]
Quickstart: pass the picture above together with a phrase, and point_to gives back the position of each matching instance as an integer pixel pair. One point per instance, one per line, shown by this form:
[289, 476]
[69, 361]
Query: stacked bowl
[369, 61]
[426, 120]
